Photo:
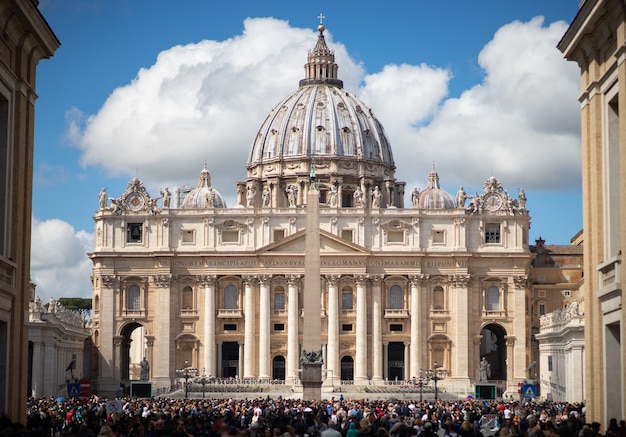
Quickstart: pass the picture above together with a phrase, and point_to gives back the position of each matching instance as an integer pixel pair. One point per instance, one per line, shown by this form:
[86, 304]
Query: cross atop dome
[321, 67]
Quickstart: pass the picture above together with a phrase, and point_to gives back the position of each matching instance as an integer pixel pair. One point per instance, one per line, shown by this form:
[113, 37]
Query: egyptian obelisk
[311, 358]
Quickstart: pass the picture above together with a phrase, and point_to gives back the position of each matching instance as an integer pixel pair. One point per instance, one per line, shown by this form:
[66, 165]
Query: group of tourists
[281, 417]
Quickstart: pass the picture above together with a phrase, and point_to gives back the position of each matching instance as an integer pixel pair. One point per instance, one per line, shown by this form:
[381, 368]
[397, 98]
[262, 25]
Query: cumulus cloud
[59, 265]
[205, 102]
[521, 124]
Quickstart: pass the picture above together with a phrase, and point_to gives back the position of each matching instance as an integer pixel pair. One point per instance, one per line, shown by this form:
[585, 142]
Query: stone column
[292, 327]
[407, 364]
[360, 365]
[459, 365]
[208, 282]
[163, 333]
[240, 359]
[249, 319]
[377, 334]
[416, 334]
[332, 362]
[385, 360]
[110, 293]
[218, 347]
[264, 326]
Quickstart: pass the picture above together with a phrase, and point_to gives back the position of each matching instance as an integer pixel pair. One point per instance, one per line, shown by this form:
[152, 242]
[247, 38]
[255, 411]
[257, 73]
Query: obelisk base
[311, 379]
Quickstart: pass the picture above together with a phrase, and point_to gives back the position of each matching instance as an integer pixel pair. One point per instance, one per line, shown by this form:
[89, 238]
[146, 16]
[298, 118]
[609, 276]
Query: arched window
[346, 299]
[493, 298]
[134, 298]
[231, 297]
[438, 298]
[279, 299]
[395, 298]
[187, 298]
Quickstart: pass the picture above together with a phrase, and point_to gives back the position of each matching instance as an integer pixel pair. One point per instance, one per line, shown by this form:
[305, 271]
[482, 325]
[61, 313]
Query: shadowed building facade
[26, 39]
[596, 40]
[440, 283]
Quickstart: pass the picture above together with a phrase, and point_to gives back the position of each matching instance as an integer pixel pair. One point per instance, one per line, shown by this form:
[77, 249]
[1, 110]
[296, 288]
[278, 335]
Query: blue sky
[146, 89]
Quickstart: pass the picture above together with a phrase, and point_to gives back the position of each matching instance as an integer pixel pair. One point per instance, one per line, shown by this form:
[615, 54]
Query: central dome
[324, 124]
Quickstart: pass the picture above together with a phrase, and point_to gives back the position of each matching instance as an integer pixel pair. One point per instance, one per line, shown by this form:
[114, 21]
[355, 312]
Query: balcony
[396, 314]
[232, 314]
[609, 277]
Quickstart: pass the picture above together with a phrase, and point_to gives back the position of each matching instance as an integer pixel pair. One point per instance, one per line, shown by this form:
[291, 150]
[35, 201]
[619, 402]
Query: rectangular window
[567, 293]
[550, 363]
[439, 237]
[279, 234]
[346, 327]
[5, 171]
[346, 234]
[395, 236]
[188, 236]
[279, 301]
[230, 236]
[279, 326]
[230, 326]
[541, 293]
[542, 309]
[134, 232]
[395, 327]
[492, 233]
[346, 301]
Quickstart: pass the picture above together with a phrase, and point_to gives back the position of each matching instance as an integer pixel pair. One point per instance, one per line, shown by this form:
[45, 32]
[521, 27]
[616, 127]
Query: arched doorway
[132, 350]
[493, 348]
[278, 367]
[347, 368]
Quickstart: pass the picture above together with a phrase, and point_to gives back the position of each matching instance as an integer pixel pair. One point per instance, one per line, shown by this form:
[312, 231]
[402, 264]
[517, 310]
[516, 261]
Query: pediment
[329, 244]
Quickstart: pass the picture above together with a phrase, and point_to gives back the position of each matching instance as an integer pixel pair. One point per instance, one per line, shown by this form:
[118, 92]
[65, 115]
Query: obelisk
[311, 357]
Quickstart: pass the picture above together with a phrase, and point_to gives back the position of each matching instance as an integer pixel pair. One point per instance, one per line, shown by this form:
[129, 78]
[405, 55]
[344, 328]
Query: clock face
[493, 201]
[135, 201]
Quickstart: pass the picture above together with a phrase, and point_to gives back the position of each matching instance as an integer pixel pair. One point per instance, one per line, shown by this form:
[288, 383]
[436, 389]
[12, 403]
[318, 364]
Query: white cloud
[59, 265]
[205, 101]
[521, 124]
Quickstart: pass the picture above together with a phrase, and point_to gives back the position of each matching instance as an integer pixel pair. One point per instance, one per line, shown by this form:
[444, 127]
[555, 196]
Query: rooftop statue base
[311, 380]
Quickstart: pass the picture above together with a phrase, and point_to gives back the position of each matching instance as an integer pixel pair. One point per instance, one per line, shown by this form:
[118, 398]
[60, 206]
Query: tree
[80, 305]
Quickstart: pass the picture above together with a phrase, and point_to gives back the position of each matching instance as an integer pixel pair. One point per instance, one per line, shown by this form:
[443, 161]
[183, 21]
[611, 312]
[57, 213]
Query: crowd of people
[280, 417]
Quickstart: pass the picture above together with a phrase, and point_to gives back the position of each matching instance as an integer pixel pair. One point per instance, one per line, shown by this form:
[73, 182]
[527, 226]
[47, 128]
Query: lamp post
[422, 382]
[436, 375]
[186, 373]
[203, 380]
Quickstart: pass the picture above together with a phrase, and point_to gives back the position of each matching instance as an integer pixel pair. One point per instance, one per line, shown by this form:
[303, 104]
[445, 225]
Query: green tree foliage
[78, 304]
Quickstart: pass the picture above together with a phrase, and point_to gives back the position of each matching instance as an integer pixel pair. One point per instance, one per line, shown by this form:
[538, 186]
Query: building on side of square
[58, 339]
[26, 39]
[596, 40]
[557, 328]
[439, 284]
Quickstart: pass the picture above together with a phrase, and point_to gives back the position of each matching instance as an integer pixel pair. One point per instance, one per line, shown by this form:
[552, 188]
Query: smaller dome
[433, 197]
[204, 195]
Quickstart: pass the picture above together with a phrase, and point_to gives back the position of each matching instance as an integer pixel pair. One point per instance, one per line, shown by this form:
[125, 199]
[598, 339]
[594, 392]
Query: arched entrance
[493, 348]
[132, 350]
[347, 368]
[278, 367]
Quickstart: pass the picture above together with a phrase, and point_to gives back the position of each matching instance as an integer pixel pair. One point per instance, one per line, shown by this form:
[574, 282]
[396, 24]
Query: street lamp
[435, 375]
[203, 380]
[422, 382]
[186, 373]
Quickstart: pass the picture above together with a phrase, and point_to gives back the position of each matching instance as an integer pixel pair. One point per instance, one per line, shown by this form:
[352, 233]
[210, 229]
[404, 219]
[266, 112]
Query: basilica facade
[437, 284]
